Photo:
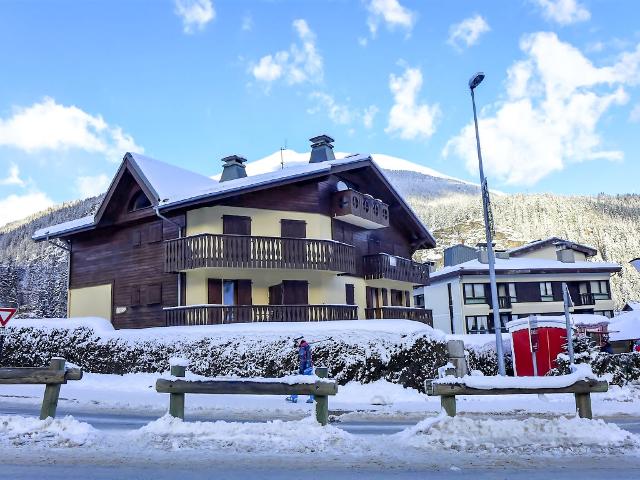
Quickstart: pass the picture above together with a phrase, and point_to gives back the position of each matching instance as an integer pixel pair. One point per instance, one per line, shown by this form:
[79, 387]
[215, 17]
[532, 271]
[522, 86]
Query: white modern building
[529, 280]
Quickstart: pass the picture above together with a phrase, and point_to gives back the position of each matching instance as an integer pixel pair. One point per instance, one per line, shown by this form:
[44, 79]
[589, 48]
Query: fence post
[583, 405]
[455, 352]
[176, 400]
[322, 401]
[51, 391]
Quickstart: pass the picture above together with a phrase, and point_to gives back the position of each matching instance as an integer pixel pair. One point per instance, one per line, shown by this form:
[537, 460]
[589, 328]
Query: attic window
[139, 201]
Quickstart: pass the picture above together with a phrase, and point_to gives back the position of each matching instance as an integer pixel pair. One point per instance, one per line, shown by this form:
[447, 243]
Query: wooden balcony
[245, 251]
[221, 314]
[360, 209]
[391, 267]
[401, 313]
[585, 299]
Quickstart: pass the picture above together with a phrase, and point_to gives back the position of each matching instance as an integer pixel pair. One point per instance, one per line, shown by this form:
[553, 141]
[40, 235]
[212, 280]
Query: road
[451, 465]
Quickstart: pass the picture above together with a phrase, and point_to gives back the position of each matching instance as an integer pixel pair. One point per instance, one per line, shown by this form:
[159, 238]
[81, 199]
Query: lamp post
[473, 83]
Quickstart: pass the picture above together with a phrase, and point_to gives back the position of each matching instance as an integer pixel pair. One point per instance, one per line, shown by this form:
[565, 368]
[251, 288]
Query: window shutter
[135, 296]
[350, 294]
[407, 298]
[136, 238]
[153, 294]
[155, 232]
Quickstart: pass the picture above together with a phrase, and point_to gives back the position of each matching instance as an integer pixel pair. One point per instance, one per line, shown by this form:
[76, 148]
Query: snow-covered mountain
[410, 177]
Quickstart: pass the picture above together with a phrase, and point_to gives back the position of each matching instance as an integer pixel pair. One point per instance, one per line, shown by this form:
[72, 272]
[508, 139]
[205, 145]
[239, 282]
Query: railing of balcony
[585, 299]
[402, 313]
[220, 314]
[391, 267]
[504, 302]
[245, 251]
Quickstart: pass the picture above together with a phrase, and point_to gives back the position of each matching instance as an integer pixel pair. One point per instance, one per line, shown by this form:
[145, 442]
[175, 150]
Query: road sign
[5, 315]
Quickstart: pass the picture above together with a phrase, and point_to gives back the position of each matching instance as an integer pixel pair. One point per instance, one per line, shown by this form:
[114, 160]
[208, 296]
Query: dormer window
[139, 201]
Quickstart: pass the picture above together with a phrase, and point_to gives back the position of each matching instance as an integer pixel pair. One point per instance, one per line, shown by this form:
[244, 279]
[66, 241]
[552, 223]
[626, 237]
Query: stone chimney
[321, 149]
[233, 168]
[502, 254]
[564, 254]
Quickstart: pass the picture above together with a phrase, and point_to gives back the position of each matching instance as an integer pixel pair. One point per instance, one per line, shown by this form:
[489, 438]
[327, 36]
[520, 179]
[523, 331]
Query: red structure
[544, 336]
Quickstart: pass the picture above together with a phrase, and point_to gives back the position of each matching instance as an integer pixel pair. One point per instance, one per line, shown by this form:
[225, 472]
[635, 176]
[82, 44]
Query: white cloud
[407, 117]
[368, 115]
[391, 13]
[634, 116]
[339, 113]
[563, 12]
[548, 119]
[195, 14]
[247, 23]
[90, 186]
[16, 207]
[13, 178]
[467, 32]
[301, 63]
[50, 126]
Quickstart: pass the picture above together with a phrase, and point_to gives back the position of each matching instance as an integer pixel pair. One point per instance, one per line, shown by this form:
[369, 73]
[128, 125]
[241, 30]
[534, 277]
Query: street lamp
[473, 83]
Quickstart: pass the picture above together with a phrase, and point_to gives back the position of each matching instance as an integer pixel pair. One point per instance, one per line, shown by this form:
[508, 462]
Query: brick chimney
[233, 167]
[321, 149]
[565, 254]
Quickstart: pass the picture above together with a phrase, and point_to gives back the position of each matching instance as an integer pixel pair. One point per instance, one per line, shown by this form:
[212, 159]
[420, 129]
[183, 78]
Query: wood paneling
[109, 255]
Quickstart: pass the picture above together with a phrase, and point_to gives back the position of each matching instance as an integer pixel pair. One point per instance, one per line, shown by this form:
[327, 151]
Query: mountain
[33, 276]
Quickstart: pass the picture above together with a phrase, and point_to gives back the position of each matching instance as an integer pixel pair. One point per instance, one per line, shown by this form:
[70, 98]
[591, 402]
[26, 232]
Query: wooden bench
[177, 389]
[450, 386]
[53, 377]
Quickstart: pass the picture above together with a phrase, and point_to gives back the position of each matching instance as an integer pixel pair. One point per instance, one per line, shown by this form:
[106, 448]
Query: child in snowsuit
[305, 367]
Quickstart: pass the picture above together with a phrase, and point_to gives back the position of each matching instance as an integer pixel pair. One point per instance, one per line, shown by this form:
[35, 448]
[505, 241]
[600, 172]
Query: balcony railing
[245, 251]
[391, 267]
[360, 209]
[585, 299]
[220, 314]
[401, 313]
[504, 303]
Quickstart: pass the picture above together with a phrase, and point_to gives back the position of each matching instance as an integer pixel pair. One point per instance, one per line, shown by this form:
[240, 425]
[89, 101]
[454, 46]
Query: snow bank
[530, 436]
[287, 379]
[277, 436]
[625, 326]
[380, 392]
[66, 432]
[581, 372]
[97, 324]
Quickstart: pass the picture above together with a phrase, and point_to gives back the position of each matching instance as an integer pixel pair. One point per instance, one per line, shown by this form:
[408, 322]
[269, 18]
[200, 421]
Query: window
[139, 201]
[350, 294]
[600, 290]
[396, 298]
[418, 300]
[478, 324]
[228, 292]
[512, 293]
[155, 233]
[546, 292]
[474, 293]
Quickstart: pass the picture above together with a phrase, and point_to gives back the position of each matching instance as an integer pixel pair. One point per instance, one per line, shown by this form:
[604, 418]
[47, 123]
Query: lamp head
[476, 80]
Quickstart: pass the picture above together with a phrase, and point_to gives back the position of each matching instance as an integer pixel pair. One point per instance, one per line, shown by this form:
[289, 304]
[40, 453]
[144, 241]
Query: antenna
[281, 154]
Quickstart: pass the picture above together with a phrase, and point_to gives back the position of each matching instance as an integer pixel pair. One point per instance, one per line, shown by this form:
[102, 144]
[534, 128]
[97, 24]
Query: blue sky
[189, 82]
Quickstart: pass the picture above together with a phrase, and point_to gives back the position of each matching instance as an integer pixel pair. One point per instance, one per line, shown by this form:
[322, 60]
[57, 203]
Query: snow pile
[581, 372]
[66, 432]
[277, 436]
[97, 324]
[379, 392]
[530, 436]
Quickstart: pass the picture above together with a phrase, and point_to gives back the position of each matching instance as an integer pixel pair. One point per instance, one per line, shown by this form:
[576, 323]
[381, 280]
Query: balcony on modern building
[246, 251]
[585, 300]
[222, 314]
[401, 313]
[391, 267]
[360, 209]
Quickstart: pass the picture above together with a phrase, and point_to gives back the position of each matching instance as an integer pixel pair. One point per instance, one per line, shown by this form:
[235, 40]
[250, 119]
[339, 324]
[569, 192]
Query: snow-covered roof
[521, 265]
[167, 180]
[537, 244]
[625, 326]
[631, 306]
[66, 227]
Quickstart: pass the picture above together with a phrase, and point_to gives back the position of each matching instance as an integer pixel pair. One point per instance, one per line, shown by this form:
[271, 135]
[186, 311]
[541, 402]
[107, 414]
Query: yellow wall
[90, 302]
[549, 253]
[263, 222]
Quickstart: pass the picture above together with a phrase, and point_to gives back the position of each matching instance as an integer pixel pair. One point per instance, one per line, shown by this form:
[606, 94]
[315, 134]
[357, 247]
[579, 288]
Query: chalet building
[327, 240]
[529, 281]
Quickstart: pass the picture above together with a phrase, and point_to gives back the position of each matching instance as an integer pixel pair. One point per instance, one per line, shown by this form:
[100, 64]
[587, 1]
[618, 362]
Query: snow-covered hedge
[366, 356]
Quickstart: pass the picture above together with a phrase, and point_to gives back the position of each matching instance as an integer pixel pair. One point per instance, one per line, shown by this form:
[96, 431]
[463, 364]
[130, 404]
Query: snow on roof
[287, 173]
[625, 326]
[522, 265]
[170, 181]
[632, 306]
[590, 251]
[69, 226]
